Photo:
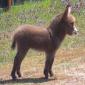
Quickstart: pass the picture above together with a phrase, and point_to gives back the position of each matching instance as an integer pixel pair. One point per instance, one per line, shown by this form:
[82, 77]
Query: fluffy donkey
[42, 39]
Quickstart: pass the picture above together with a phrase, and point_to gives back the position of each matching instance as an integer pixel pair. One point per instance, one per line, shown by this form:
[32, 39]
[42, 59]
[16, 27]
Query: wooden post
[9, 3]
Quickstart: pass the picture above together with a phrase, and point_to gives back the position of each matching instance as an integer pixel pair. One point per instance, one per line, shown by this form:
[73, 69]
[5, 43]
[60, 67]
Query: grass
[39, 13]
[28, 13]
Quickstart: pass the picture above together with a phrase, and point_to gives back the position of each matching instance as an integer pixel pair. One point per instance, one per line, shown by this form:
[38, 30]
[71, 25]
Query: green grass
[36, 13]
[30, 12]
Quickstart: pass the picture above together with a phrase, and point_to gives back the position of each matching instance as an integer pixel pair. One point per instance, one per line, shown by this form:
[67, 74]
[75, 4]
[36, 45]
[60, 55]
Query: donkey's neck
[60, 33]
[56, 28]
[57, 32]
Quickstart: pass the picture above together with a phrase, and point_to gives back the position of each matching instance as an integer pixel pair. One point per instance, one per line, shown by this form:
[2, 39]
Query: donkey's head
[68, 21]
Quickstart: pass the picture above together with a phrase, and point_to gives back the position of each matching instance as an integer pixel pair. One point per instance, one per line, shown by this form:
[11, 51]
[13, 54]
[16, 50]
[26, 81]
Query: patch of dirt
[69, 69]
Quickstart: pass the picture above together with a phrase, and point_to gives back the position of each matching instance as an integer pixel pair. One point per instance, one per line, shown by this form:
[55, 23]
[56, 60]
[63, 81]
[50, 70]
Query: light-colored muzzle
[75, 30]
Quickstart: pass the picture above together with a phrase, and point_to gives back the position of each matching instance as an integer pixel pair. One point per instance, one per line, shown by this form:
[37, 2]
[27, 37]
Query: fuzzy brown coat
[42, 39]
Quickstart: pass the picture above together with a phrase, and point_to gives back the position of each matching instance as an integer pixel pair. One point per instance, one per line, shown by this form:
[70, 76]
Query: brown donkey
[42, 39]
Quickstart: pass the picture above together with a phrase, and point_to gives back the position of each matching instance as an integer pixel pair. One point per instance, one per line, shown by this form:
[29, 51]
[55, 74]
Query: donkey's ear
[67, 11]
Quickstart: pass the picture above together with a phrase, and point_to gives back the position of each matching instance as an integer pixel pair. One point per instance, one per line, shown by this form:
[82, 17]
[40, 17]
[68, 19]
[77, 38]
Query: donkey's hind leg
[20, 61]
[13, 75]
[17, 62]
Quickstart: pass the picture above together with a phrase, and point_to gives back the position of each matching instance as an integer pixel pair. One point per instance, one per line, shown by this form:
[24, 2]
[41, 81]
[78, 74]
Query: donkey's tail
[13, 44]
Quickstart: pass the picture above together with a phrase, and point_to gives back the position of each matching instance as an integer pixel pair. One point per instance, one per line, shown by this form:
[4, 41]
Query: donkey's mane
[55, 21]
[54, 25]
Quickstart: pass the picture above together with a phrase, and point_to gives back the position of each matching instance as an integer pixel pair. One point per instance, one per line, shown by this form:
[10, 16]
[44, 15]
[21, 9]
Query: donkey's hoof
[46, 77]
[19, 74]
[51, 74]
[14, 77]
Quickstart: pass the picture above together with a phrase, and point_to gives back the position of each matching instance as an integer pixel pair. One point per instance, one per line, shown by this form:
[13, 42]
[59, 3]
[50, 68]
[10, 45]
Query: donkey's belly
[40, 45]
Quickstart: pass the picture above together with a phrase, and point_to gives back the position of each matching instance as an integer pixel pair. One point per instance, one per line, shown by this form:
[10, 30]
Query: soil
[69, 69]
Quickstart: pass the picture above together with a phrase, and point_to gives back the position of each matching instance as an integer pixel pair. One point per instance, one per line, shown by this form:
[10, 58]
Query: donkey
[47, 40]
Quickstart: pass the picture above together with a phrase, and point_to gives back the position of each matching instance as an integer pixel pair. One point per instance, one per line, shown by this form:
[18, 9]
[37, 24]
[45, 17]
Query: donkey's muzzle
[75, 31]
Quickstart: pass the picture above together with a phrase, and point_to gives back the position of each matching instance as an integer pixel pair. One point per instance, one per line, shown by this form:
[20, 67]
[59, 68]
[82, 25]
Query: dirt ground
[69, 69]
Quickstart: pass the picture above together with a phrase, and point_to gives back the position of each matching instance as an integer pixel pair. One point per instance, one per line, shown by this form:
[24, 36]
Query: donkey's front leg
[48, 65]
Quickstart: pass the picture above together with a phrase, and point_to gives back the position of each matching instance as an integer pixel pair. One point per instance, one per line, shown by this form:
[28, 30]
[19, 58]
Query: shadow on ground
[25, 80]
